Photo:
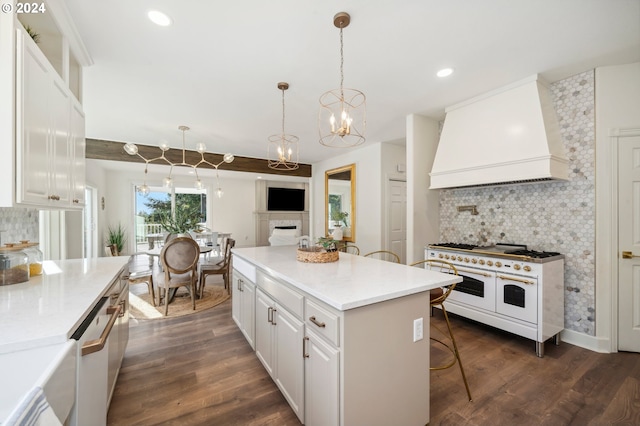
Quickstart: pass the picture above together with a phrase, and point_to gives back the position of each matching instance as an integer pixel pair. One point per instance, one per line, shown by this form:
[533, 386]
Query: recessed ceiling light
[159, 18]
[445, 72]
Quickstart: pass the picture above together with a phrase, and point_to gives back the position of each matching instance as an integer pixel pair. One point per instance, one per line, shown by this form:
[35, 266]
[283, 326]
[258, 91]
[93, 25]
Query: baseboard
[593, 343]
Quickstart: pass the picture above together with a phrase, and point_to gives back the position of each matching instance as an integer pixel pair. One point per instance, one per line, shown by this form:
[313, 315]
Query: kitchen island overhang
[383, 374]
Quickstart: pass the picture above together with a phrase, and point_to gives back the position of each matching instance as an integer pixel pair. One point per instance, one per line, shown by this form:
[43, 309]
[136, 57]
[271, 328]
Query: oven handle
[97, 345]
[520, 280]
[484, 274]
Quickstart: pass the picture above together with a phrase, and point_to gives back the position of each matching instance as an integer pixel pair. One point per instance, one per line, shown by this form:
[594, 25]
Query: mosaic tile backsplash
[553, 216]
[18, 224]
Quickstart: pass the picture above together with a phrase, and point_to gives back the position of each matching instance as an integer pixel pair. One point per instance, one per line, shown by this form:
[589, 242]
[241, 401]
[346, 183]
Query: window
[162, 203]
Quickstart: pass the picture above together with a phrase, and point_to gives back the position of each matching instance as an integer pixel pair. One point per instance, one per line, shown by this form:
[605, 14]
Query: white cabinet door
[60, 146]
[236, 296]
[322, 378]
[289, 359]
[243, 305]
[33, 121]
[50, 139]
[247, 311]
[265, 331]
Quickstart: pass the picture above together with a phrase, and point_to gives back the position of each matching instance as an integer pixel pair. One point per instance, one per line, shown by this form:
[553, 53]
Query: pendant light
[132, 149]
[342, 117]
[282, 152]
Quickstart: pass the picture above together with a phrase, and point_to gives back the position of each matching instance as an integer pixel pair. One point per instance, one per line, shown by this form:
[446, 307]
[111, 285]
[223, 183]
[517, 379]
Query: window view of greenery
[154, 215]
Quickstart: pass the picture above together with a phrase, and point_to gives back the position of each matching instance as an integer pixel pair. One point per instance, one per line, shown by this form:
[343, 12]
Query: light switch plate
[418, 333]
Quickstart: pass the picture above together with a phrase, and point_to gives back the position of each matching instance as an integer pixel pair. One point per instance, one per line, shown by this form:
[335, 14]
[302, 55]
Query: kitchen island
[38, 318]
[346, 342]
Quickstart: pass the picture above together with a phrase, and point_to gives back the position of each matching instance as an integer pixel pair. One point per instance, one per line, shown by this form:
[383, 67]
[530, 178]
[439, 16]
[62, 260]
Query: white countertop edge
[363, 301]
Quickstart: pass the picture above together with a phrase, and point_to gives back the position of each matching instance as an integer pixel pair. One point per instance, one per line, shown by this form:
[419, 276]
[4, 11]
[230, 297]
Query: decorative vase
[337, 233]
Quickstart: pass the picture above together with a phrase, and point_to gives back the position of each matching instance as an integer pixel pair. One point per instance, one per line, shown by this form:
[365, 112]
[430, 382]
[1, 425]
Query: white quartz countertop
[351, 282]
[48, 308]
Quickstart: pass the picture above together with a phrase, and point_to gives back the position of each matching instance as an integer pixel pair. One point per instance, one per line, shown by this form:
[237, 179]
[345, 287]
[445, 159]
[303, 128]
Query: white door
[629, 241]
[397, 218]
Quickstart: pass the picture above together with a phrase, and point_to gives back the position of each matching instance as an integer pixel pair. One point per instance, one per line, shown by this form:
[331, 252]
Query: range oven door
[477, 289]
[517, 297]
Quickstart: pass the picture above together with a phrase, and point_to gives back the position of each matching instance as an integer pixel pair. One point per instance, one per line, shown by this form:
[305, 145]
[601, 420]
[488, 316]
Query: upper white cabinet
[50, 140]
[41, 115]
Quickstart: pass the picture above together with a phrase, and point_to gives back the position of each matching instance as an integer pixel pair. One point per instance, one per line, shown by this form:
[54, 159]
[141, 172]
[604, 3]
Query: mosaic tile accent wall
[18, 224]
[553, 216]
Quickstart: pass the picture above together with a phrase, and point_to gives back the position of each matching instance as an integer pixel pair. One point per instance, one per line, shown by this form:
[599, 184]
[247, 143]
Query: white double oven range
[508, 287]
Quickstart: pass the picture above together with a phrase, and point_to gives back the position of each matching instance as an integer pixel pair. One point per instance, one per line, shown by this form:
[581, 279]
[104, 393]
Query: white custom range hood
[506, 136]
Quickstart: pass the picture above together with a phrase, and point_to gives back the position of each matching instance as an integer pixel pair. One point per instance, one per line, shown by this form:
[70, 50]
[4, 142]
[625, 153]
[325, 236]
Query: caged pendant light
[342, 117]
[282, 152]
[132, 149]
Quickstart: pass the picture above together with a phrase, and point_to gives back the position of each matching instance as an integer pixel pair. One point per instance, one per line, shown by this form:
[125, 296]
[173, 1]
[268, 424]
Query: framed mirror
[340, 202]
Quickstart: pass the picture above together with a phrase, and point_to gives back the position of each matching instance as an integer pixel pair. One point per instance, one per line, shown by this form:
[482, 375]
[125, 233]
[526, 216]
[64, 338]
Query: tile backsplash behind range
[554, 216]
[18, 224]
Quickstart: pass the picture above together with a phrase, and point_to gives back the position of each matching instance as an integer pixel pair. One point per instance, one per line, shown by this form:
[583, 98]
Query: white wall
[617, 107]
[368, 203]
[423, 204]
[233, 213]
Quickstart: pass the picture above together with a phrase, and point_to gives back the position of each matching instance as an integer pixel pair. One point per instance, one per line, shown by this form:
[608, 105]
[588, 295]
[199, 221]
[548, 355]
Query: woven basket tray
[316, 255]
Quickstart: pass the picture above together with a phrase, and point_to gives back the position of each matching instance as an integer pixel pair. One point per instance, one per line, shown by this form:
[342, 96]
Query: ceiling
[216, 68]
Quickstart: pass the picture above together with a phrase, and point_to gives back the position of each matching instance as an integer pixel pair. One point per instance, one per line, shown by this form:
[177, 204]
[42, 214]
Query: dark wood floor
[199, 370]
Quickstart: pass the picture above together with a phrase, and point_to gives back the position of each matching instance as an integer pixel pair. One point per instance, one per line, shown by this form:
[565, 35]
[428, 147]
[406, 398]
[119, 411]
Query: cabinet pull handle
[520, 280]
[304, 347]
[76, 201]
[273, 317]
[240, 282]
[98, 344]
[54, 197]
[315, 321]
[270, 314]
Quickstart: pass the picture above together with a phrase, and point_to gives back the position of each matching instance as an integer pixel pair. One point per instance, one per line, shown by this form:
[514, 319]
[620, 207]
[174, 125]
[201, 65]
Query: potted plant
[117, 237]
[329, 244]
[339, 218]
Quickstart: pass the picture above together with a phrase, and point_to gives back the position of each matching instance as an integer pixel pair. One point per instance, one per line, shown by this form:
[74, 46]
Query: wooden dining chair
[438, 296]
[218, 267]
[387, 255]
[179, 258]
[141, 271]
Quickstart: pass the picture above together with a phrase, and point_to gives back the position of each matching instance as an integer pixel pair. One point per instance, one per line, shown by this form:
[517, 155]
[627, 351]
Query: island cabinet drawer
[323, 322]
[245, 268]
[286, 297]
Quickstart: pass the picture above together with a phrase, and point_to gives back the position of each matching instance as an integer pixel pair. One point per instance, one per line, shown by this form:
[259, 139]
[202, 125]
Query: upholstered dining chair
[179, 258]
[387, 255]
[218, 267]
[438, 297]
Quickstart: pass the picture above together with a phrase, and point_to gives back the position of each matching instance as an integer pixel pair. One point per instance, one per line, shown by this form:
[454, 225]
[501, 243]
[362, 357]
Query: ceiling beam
[114, 151]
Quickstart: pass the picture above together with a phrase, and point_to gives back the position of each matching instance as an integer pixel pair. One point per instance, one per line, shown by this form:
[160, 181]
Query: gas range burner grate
[455, 246]
[533, 253]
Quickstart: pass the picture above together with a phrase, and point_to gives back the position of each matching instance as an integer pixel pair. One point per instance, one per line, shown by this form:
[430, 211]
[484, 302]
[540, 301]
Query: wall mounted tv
[285, 199]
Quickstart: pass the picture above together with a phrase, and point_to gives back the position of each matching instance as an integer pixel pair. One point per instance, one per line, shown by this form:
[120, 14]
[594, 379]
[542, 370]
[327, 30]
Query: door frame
[607, 241]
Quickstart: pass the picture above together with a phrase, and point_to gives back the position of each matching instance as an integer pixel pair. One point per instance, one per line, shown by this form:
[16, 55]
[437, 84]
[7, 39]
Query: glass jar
[35, 257]
[14, 265]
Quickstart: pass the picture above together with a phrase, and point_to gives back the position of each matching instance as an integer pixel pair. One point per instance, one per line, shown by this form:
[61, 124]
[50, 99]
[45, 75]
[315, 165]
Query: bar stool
[438, 297]
[386, 255]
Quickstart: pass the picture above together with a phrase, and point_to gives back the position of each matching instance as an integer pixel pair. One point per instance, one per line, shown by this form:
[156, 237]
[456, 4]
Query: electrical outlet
[417, 329]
